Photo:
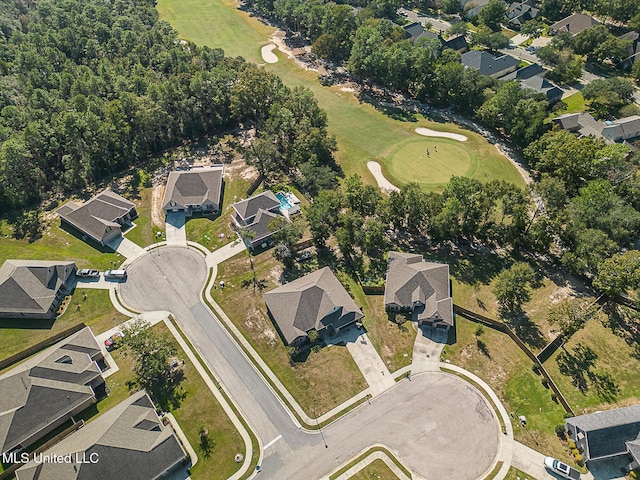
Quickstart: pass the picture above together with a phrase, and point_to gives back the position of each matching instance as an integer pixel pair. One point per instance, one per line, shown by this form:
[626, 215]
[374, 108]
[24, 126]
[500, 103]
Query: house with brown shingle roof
[45, 391]
[197, 190]
[419, 287]
[101, 218]
[573, 24]
[317, 301]
[129, 441]
[34, 289]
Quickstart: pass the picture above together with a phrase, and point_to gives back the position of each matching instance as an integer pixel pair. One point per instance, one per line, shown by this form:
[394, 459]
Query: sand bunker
[383, 183]
[268, 55]
[427, 132]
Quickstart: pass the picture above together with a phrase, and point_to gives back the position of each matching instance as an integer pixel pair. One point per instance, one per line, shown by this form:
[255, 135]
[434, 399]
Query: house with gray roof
[34, 289]
[633, 52]
[197, 190]
[607, 434]
[317, 301]
[526, 72]
[552, 93]
[415, 31]
[48, 389]
[487, 64]
[472, 8]
[129, 441]
[611, 130]
[521, 12]
[573, 24]
[101, 218]
[419, 287]
[255, 214]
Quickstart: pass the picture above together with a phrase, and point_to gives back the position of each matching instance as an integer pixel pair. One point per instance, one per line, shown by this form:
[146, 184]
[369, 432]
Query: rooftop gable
[193, 187]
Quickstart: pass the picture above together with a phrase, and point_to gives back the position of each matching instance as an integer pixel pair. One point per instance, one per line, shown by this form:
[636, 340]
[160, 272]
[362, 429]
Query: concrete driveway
[176, 229]
[439, 425]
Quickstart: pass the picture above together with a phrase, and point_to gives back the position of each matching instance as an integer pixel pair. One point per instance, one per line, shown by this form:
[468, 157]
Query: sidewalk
[373, 456]
[224, 253]
[127, 248]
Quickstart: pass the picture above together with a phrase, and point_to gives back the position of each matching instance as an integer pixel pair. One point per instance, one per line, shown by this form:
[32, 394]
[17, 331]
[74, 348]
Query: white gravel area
[383, 183]
[427, 132]
[268, 55]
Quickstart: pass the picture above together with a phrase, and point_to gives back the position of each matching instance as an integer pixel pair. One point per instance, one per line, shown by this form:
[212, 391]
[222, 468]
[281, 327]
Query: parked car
[562, 469]
[116, 274]
[114, 341]
[87, 272]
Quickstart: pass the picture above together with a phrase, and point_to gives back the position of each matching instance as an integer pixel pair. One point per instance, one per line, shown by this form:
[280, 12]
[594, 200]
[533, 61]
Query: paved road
[439, 425]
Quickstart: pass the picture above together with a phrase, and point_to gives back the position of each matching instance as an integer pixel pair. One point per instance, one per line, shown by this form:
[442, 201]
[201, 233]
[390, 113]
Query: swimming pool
[284, 201]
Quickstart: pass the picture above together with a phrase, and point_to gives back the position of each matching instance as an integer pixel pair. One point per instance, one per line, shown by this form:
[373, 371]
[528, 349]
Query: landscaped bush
[579, 459]
[545, 382]
[560, 431]
[535, 368]
[571, 444]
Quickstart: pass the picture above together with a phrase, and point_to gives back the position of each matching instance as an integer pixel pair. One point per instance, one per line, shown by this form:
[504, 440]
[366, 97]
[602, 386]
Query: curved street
[439, 425]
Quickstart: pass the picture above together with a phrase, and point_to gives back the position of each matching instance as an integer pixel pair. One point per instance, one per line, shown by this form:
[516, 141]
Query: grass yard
[199, 408]
[329, 376]
[96, 312]
[515, 474]
[614, 357]
[575, 104]
[376, 470]
[498, 361]
[144, 233]
[362, 132]
[56, 243]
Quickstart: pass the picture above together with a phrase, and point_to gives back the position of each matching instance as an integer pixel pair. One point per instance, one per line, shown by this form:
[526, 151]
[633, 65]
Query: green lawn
[198, 408]
[96, 311]
[362, 132]
[144, 233]
[498, 361]
[377, 470]
[330, 376]
[515, 474]
[614, 357]
[575, 104]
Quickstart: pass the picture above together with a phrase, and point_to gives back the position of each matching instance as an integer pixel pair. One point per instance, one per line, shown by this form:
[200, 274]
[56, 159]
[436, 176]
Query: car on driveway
[562, 469]
[114, 341]
[88, 273]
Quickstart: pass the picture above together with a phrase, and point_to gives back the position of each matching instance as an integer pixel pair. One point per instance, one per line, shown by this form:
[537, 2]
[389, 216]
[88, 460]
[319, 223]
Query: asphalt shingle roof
[314, 301]
[130, 440]
[486, 63]
[574, 24]
[194, 187]
[250, 207]
[30, 286]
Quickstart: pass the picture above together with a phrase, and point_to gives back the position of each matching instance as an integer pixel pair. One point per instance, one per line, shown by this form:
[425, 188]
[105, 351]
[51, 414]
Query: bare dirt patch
[156, 208]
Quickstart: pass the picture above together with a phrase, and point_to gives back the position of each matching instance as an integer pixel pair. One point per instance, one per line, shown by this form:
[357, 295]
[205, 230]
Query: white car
[562, 469]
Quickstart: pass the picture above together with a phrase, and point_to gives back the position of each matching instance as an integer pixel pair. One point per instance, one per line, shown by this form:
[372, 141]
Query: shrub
[545, 382]
[579, 459]
[535, 368]
[571, 444]
[554, 398]
[560, 430]
[633, 475]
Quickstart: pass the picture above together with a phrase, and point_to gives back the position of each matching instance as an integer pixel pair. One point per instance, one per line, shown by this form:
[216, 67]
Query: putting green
[409, 163]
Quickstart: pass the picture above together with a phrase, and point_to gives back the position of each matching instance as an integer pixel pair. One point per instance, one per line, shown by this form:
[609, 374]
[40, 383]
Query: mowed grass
[500, 363]
[515, 474]
[362, 132]
[144, 233]
[96, 311]
[198, 408]
[377, 470]
[330, 376]
[614, 357]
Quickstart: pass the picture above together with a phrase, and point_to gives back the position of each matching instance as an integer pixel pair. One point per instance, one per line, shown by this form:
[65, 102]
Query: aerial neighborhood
[320, 240]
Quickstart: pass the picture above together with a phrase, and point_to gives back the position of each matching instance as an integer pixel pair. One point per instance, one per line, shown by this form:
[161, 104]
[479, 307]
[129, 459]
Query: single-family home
[487, 64]
[101, 218]
[457, 43]
[633, 53]
[610, 130]
[573, 24]
[317, 301]
[34, 289]
[255, 214]
[552, 93]
[196, 190]
[415, 31]
[45, 391]
[128, 441]
[607, 434]
[419, 287]
[526, 72]
[472, 8]
[521, 12]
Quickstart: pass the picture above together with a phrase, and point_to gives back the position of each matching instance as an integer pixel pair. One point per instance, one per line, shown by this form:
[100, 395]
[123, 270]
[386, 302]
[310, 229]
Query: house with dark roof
[541, 85]
[611, 130]
[573, 24]
[34, 289]
[487, 64]
[101, 218]
[415, 31]
[255, 214]
[457, 43]
[45, 391]
[607, 434]
[197, 190]
[419, 287]
[526, 72]
[129, 441]
[633, 53]
[521, 12]
[317, 301]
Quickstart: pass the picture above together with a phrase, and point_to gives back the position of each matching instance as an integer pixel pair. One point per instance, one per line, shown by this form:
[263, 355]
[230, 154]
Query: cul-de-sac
[319, 240]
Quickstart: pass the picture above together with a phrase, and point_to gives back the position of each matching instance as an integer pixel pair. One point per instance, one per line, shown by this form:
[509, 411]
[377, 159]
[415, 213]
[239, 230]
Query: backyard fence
[7, 362]
[254, 186]
[500, 326]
